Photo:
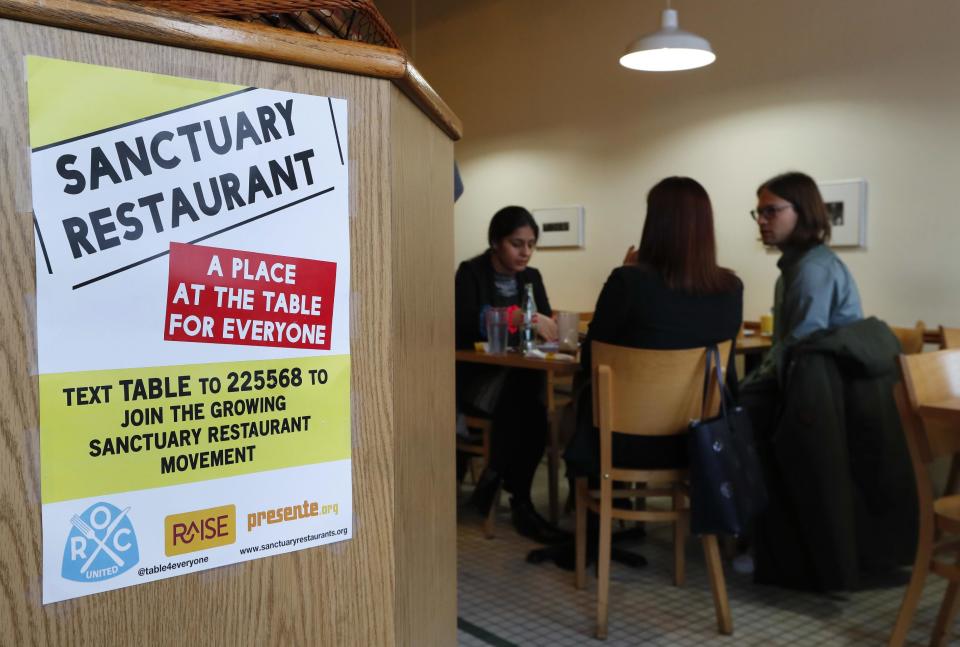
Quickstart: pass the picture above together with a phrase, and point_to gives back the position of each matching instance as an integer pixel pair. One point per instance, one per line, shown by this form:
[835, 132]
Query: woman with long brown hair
[670, 294]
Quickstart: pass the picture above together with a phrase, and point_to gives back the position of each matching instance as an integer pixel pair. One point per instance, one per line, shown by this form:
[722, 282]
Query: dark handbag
[726, 484]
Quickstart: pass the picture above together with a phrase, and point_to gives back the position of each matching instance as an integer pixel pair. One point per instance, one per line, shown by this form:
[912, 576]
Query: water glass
[497, 330]
[568, 330]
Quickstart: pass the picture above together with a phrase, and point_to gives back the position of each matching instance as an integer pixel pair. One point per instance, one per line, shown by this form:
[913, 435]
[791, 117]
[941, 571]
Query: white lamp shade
[669, 49]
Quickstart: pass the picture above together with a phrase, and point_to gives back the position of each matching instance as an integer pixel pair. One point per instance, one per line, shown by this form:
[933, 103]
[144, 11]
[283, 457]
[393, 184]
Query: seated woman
[670, 294]
[513, 398]
[815, 290]
[827, 431]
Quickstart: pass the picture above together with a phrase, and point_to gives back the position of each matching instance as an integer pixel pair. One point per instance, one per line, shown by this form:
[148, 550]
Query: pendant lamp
[668, 49]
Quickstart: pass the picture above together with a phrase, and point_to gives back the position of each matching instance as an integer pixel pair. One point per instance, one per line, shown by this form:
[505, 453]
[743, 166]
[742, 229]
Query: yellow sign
[112, 431]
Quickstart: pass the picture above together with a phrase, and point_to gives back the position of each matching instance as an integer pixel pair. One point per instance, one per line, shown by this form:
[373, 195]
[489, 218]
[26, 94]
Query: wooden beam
[235, 38]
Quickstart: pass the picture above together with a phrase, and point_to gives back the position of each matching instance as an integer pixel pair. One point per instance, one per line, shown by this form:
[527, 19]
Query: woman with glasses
[815, 290]
[802, 423]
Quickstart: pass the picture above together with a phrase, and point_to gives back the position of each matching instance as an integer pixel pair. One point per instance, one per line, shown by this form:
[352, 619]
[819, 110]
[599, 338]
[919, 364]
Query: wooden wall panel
[343, 594]
[422, 226]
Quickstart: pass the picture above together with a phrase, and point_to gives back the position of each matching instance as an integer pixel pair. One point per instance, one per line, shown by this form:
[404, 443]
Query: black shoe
[531, 525]
[485, 491]
[565, 556]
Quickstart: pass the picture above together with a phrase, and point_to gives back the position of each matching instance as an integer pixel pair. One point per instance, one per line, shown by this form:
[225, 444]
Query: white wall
[858, 88]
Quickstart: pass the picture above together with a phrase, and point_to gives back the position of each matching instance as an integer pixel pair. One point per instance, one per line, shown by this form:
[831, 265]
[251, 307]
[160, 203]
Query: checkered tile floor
[504, 601]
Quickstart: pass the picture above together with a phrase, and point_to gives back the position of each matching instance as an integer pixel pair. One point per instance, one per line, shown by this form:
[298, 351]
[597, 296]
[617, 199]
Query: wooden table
[752, 348]
[554, 368]
[948, 410]
[750, 344]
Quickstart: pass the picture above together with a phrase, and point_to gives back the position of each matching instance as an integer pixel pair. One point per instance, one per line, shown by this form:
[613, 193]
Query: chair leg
[679, 538]
[491, 519]
[954, 476]
[948, 610]
[728, 547]
[911, 597]
[581, 532]
[718, 585]
[553, 467]
[475, 470]
[603, 560]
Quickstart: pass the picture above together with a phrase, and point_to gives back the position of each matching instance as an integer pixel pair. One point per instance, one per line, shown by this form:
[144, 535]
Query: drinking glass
[766, 324]
[497, 330]
[568, 325]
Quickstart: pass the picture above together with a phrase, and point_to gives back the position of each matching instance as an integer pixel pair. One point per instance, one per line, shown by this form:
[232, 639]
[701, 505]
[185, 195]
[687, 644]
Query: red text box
[229, 296]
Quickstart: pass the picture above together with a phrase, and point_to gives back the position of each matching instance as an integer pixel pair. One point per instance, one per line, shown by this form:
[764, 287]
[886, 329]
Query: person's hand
[632, 257]
[546, 327]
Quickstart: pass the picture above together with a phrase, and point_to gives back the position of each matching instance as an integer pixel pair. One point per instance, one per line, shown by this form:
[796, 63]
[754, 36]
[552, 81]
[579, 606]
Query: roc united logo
[102, 544]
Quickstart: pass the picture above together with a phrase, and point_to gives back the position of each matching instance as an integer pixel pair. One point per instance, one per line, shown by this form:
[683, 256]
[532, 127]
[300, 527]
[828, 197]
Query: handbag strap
[712, 364]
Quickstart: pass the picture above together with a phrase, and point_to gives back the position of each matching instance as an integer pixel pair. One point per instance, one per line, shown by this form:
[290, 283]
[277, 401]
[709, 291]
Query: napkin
[537, 354]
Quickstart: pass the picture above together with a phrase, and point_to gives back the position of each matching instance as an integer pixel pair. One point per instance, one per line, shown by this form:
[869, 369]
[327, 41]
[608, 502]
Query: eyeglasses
[769, 211]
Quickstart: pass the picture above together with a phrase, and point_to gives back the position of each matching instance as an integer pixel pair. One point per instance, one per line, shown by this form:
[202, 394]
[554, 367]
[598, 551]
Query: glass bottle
[529, 335]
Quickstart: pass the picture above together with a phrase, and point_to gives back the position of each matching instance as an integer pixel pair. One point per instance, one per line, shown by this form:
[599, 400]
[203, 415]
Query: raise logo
[198, 530]
[102, 544]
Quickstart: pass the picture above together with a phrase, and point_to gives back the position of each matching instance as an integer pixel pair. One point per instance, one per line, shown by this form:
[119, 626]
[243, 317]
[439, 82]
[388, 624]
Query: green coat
[842, 494]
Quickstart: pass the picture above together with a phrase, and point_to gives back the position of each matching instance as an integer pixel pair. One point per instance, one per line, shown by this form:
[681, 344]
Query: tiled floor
[504, 601]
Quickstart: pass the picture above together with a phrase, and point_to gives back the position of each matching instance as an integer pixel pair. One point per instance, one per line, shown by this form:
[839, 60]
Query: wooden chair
[911, 339]
[478, 444]
[645, 393]
[929, 378]
[949, 338]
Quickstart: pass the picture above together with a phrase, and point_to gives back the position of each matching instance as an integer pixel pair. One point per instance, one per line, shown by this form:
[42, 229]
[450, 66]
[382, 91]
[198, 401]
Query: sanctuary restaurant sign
[193, 281]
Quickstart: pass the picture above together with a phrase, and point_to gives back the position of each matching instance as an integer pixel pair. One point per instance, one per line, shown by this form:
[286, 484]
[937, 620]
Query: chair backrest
[929, 378]
[650, 392]
[949, 337]
[911, 339]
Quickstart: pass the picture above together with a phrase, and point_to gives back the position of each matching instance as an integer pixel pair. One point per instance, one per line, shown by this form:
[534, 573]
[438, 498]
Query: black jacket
[475, 289]
[842, 494]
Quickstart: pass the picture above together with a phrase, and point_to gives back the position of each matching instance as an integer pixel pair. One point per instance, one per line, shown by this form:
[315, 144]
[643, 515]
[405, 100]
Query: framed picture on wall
[560, 226]
[846, 202]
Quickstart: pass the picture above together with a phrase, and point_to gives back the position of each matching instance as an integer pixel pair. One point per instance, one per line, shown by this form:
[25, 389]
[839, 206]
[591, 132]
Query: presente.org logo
[198, 530]
[101, 544]
[290, 513]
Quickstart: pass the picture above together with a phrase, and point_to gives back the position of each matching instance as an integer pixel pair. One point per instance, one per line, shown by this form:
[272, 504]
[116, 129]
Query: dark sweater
[637, 309]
